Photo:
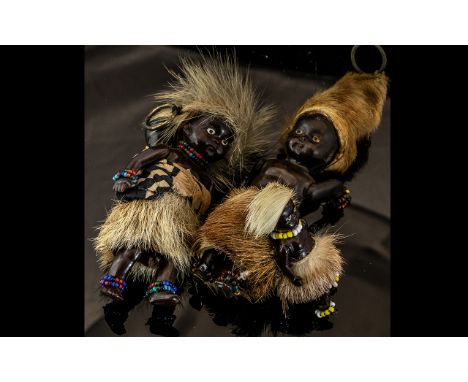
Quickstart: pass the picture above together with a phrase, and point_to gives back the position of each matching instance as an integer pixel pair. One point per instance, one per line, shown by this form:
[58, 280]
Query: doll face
[289, 217]
[211, 137]
[313, 142]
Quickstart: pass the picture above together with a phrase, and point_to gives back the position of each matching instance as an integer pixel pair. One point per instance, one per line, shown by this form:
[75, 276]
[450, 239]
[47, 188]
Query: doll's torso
[176, 174]
[287, 173]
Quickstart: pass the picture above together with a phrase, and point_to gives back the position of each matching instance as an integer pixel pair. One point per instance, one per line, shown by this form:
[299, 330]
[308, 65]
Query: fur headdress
[354, 106]
[265, 209]
[215, 86]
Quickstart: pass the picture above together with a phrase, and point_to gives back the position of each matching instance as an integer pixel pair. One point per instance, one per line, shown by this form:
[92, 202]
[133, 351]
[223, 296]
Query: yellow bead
[347, 191]
[290, 234]
[331, 309]
[327, 313]
[322, 314]
[337, 278]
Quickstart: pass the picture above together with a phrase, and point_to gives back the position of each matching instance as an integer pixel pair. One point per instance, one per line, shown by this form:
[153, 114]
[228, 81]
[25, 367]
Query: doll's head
[272, 205]
[214, 87]
[342, 118]
[289, 217]
[210, 136]
[313, 142]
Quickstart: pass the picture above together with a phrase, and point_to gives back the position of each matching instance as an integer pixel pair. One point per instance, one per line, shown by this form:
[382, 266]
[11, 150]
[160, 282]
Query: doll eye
[210, 130]
[299, 132]
[224, 142]
[315, 139]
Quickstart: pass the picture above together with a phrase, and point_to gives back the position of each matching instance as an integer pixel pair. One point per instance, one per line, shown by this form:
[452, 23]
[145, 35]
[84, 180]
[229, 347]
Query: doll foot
[113, 287]
[112, 293]
[164, 298]
[321, 313]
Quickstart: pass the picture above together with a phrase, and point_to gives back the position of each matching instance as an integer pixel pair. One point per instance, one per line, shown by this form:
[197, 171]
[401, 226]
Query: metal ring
[382, 53]
[159, 123]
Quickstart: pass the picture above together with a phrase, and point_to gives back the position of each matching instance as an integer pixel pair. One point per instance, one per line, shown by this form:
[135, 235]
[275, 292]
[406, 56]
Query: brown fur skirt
[255, 257]
[166, 225]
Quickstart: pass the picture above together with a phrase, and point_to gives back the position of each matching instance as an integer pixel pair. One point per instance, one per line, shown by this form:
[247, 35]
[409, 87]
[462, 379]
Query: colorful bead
[113, 282]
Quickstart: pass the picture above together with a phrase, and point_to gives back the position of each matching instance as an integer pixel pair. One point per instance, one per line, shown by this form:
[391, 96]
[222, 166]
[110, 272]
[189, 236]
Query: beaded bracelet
[113, 282]
[158, 286]
[127, 173]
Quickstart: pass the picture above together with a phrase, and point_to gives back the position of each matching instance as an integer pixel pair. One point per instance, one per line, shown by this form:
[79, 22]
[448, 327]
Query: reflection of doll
[321, 150]
[212, 122]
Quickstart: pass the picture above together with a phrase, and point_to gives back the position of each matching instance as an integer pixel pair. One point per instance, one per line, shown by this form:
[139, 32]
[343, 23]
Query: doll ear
[158, 120]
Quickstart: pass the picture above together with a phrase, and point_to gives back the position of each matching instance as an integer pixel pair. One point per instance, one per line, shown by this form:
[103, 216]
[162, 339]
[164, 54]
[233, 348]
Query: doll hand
[321, 313]
[122, 184]
[342, 201]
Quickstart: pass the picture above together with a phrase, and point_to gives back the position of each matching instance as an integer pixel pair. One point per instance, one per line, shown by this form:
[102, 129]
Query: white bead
[332, 303]
[335, 284]
[317, 313]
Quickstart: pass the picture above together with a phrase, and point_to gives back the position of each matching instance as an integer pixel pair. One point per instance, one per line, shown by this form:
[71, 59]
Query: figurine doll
[210, 121]
[325, 143]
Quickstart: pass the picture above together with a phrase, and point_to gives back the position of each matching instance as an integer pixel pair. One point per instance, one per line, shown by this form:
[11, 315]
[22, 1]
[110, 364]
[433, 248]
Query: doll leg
[166, 274]
[123, 262]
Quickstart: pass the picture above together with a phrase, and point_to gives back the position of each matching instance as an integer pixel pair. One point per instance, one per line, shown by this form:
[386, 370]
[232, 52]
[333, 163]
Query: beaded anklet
[158, 286]
[287, 234]
[113, 282]
[324, 313]
[130, 174]
[192, 153]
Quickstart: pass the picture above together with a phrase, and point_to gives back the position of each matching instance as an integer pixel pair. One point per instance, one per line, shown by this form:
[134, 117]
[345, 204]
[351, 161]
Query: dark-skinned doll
[324, 144]
[209, 121]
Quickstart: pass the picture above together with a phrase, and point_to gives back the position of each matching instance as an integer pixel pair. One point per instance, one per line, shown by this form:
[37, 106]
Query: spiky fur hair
[265, 209]
[354, 106]
[215, 86]
[256, 256]
[166, 226]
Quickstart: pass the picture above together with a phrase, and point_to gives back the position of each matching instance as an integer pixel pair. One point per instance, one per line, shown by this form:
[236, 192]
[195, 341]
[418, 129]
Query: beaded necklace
[192, 153]
[287, 234]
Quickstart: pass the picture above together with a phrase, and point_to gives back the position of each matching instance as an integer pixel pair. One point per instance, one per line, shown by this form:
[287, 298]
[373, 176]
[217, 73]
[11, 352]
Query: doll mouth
[210, 150]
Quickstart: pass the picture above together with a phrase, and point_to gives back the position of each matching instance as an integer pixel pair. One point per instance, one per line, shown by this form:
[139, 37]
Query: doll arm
[282, 259]
[148, 156]
[140, 160]
[326, 190]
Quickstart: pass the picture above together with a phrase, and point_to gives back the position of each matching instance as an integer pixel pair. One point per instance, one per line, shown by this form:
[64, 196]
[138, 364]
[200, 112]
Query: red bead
[151, 285]
[107, 282]
[198, 155]
[191, 149]
[120, 286]
[121, 281]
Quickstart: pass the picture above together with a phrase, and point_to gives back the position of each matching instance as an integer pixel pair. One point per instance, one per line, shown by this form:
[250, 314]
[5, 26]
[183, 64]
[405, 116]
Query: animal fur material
[215, 86]
[354, 106]
[166, 226]
[224, 231]
[265, 209]
[317, 270]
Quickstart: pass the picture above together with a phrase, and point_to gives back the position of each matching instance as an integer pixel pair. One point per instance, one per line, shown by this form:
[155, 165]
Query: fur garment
[167, 226]
[226, 231]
